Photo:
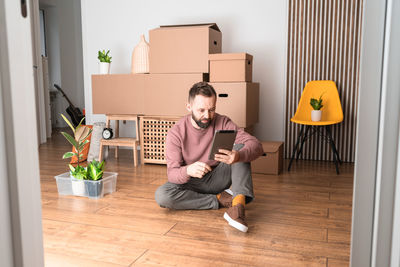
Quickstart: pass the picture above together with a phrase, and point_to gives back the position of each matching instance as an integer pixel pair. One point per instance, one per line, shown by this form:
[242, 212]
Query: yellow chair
[331, 114]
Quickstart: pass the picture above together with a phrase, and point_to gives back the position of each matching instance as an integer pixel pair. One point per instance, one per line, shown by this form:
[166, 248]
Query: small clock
[107, 133]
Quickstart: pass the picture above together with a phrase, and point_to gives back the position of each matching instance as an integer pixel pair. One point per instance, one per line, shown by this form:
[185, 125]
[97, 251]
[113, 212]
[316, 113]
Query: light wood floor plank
[300, 220]
[339, 236]
[72, 203]
[78, 241]
[340, 214]
[257, 239]
[146, 225]
[155, 258]
[60, 260]
[119, 245]
[337, 263]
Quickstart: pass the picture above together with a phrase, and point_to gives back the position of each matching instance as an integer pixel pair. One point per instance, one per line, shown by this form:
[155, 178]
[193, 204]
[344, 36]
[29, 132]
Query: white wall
[258, 27]
[53, 55]
[71, 50]
[70, 54]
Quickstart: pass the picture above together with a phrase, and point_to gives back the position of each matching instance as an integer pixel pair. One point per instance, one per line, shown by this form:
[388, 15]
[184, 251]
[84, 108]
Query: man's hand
[198, 169]
[227, 156]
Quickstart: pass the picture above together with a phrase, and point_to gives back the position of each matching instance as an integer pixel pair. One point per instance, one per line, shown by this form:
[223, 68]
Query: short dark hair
[201, 88]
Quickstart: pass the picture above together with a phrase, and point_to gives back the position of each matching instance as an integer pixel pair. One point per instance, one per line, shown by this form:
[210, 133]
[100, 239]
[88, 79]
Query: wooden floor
[301, 218]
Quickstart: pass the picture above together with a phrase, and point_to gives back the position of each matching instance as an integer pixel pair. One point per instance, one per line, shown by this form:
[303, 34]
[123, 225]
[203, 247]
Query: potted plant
[94, 183]
[316, 104]
[80, 139]
[105, 61]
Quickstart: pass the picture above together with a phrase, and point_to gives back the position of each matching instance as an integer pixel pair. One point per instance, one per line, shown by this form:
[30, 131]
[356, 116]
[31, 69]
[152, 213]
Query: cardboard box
[167, 94]
[272, 160]
[183, 48]
[118, 93]
[237, 67]
[150, 94]
[238, 101]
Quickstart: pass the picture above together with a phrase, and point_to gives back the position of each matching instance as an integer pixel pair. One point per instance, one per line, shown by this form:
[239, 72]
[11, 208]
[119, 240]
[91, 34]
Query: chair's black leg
[295, 147]
[328, 130]
[302, 142]
[334, 147]
[337, 153]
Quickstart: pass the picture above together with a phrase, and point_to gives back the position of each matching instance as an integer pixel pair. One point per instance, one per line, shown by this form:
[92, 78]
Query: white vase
[104, 68]
[316, 115]
[78, 187]
[140, 57]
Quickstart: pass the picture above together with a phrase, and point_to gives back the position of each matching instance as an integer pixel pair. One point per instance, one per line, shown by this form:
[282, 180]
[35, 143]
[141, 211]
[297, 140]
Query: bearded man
[194, 181]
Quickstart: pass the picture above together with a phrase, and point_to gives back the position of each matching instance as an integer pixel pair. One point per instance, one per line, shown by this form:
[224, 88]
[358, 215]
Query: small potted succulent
[105, 62]
[79, 173]
[94, 183]
[316, 104]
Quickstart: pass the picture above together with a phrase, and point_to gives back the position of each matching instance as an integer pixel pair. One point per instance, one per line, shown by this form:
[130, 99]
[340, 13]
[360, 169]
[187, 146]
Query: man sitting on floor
[194, 181]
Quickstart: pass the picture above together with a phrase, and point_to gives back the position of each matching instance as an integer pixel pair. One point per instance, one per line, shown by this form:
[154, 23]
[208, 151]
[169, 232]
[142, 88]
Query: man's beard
[201, 124]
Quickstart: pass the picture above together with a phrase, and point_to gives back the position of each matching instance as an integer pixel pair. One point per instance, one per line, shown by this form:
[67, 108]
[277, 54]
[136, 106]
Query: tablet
[223, 139]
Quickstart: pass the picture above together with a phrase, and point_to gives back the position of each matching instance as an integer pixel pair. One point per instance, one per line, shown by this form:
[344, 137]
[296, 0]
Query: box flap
[271, 147]
[230, 56]
[207, 25]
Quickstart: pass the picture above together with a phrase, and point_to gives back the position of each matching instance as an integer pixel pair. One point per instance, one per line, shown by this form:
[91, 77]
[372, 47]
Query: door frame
[20, 213]
[375, 233]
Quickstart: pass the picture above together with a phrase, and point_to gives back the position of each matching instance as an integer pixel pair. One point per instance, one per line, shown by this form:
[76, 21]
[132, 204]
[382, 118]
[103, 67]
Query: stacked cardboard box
[183, 48]
[181, 55]
[234, 67]
[179, 49]
[149, 94]
[231, 76]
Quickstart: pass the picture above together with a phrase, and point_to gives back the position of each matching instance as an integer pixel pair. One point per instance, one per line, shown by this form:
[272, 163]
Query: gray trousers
[201, 193]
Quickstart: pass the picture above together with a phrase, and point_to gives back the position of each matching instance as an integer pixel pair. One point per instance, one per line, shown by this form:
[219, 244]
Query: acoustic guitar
[74, 112]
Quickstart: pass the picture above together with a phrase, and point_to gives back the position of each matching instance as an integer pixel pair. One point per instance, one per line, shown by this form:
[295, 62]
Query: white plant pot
[104, 68]
[78, 187]
[316, 115]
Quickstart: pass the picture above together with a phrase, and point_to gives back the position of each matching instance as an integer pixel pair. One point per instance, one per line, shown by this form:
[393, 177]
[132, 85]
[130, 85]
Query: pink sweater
[186, 145]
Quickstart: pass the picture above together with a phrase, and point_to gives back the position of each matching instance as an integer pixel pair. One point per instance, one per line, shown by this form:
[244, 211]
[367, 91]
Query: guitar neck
[66, 97]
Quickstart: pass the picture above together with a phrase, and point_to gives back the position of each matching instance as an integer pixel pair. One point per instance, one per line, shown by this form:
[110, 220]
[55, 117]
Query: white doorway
[61, 44]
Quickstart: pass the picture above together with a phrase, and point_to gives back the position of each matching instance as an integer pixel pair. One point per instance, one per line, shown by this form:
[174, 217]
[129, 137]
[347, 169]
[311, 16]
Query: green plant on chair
[104, 57]
[80, 139]
[316, 103]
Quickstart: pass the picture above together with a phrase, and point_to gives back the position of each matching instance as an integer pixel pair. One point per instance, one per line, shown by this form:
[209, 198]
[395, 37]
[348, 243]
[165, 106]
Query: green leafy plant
[78, 172]
[104, 57]
[316, 103]
[81, 133]
[95, 170]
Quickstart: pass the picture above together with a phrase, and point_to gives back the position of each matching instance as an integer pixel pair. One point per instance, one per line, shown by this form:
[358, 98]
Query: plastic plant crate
[153, 134]
[92, 189]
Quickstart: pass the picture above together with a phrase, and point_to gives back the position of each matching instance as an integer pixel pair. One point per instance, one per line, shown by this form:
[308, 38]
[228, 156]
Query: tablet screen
[223, 139]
